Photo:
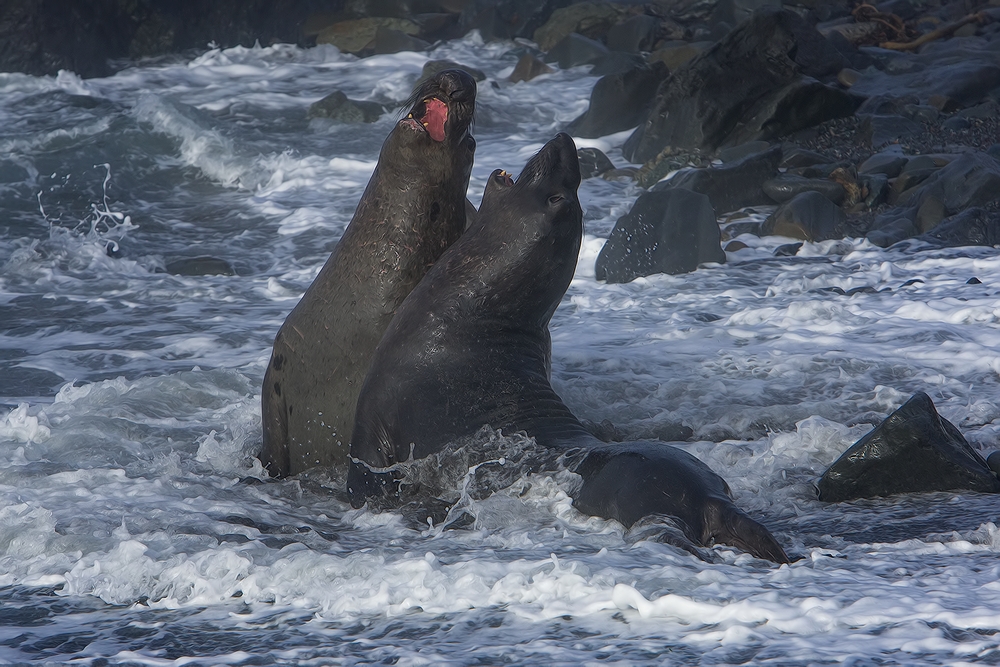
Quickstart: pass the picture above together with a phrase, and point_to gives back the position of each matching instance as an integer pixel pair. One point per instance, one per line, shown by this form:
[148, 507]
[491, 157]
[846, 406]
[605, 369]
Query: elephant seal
[413, 208]
[470, 346]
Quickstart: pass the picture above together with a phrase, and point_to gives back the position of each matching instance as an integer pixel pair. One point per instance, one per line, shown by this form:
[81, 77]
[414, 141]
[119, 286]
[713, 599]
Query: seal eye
[555, 199]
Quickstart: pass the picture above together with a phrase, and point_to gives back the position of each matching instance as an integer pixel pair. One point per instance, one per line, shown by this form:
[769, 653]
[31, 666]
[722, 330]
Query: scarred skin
[470, 346]
[413, 208]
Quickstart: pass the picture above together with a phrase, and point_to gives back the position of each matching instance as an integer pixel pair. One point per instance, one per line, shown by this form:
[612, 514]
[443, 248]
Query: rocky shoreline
[880, 121]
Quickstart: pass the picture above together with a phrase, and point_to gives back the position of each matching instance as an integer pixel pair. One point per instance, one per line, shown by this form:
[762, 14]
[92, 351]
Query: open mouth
[431, 114]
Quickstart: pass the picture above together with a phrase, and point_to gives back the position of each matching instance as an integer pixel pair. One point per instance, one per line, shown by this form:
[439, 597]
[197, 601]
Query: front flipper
[629, 481]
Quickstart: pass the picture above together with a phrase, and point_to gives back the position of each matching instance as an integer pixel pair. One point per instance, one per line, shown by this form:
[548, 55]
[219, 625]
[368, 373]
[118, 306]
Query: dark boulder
[749, 85]
[527, 68]
[507, 19]
[590, 19]
[575, 50]
[665, 232]
[888, 163]
[786, 187]
[794, 157]
[634, 34]
[808, 216]
[619, 101]
[337, 106]
[914, 450]
[731, 186]
[974, 226]
[972, 179]
[388, 40]
[593, 162]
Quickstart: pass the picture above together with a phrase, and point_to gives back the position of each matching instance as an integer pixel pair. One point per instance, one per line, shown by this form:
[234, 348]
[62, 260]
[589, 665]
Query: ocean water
[137, 526]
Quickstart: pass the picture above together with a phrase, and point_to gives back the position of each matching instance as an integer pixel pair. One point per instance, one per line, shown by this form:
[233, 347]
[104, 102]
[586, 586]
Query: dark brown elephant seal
[470, 346]
[413, 208]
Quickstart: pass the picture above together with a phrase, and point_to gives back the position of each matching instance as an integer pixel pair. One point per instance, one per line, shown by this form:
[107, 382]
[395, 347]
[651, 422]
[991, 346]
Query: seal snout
[557, 160]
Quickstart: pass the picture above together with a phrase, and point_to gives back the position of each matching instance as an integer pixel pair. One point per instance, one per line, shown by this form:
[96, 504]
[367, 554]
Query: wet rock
[892, 231]
[616, 62]
[734, 12]
[200, 266]
[973, 179]
[506, 19]
[527, 68]
[881, 130]
[730, 186]
[337, 106]
[388, 40]
[914, 450]
[675, 55]
[874, 189]
[787, 250]
[635, 34]
[809, 216]
[593, 162]
[908, 180]
[736, 246]
[737, 153]
[956, 124]
[921, 113]
[888, 163]
[619, 102]
[590, 19]
[575, 50]
[748, 86]
[795, 157]
[971, 227]
[359, 34]
[665, 232]
[432, 67]
[786, 187]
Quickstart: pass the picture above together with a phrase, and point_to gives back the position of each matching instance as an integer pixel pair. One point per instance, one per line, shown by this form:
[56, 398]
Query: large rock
[527, 68]
[786, 187]
[618, 101]
[358, 35]
[747, 86]
[972, 179]
[974, 226]
[637, 33]
[665, 232]
[808, 216]
[913, 450]
[591, 19]
[574, 50]
[731, 186]
[507, 19]
[337, 106]
[41, 38]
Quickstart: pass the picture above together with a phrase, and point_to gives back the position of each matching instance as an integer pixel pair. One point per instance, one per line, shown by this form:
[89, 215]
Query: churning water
[136, 526]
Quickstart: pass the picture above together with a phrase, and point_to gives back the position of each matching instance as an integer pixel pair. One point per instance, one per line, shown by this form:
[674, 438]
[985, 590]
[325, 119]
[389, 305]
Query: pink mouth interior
[435, 115]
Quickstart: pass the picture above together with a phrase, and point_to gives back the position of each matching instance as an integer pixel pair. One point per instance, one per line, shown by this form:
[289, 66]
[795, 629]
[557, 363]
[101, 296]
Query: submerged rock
[914, 450]
[974, 226]
[337, 106]
[200, 266]
[619, 101]
[665, 232]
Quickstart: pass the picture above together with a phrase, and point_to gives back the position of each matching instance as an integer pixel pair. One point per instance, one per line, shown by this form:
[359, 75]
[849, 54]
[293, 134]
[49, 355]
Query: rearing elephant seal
[413, 208]
[470, 346]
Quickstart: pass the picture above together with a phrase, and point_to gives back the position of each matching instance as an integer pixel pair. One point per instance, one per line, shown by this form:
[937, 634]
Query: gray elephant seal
[413, 208]
[470, 346]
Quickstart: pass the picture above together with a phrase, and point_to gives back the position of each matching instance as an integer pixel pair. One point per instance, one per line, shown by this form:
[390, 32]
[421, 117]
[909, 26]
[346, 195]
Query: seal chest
[412, 209]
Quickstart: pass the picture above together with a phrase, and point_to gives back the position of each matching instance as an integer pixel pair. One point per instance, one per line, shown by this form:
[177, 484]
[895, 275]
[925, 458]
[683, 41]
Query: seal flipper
[628, 481]
[725, 523]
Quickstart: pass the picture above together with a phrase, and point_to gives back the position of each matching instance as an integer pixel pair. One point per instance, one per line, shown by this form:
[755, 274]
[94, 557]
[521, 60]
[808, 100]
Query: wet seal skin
[470, 346]
[413, 208]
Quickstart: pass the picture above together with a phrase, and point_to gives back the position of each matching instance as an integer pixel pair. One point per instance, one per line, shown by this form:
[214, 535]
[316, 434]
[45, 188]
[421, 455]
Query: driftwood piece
[943, 31]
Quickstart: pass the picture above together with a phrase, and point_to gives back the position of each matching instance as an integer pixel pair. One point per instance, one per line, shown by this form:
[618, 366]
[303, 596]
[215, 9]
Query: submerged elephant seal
[413, 208]
[470, 346]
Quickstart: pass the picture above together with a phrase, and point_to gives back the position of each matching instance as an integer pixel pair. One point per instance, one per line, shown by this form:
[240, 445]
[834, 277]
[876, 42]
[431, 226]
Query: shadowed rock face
[913, 450]
[40, 37]
[753, 84]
